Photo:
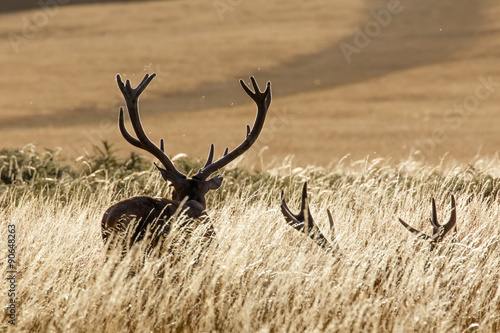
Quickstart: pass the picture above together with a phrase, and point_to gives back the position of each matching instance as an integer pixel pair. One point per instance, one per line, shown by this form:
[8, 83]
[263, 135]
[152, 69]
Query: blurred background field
[394, 99]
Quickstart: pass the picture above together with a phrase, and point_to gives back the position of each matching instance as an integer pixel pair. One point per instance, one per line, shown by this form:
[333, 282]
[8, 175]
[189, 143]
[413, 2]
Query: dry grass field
[259, 275]
[410, 113]
[396, 98]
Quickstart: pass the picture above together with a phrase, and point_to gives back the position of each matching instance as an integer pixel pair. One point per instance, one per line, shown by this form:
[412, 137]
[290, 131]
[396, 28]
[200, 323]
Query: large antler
[142, 141]
[304, 222]
[438, 230]
[263, 100]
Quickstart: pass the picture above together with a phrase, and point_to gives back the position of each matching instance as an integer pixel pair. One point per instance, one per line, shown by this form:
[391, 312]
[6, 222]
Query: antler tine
[305, 212]
[418, 233]
[434, 220]
[332, 225]
[162, 145]
[290, 218]
[263, 101]
[142, 141]
[453, 216]
[210, 156]
[444, 229]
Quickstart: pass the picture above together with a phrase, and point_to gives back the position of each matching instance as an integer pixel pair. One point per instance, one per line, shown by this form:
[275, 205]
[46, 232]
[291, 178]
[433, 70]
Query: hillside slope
[395, 96]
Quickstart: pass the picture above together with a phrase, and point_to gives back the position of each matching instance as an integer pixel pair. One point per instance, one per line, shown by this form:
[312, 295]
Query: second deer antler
[304, 222]
[438, 230]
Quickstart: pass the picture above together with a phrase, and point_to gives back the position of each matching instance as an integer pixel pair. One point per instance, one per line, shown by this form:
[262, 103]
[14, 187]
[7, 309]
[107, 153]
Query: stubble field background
[394, 99]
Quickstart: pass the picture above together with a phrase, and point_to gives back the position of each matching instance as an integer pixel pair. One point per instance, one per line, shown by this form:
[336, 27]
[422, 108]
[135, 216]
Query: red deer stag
[188, 193]
[304, 222]
[438, 230]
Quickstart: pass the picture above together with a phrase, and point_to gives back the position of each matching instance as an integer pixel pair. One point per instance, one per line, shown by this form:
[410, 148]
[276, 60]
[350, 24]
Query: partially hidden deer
[138, 214]
[304, 223]
[438, 230]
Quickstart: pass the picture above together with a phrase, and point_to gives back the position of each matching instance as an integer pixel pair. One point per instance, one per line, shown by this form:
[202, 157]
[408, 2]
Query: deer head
[196, 187]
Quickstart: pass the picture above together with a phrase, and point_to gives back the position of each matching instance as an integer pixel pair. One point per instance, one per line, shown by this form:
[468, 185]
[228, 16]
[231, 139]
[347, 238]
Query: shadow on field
[424, 32]
[9, 6]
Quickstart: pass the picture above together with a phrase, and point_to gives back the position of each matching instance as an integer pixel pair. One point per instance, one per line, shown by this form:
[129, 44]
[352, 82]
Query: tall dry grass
[259, 275]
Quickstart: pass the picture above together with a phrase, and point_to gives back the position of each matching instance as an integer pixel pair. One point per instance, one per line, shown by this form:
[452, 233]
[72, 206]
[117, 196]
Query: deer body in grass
[142, 213]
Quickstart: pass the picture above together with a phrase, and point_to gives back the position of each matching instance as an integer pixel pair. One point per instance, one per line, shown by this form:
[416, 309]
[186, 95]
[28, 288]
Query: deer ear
[214, 183]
